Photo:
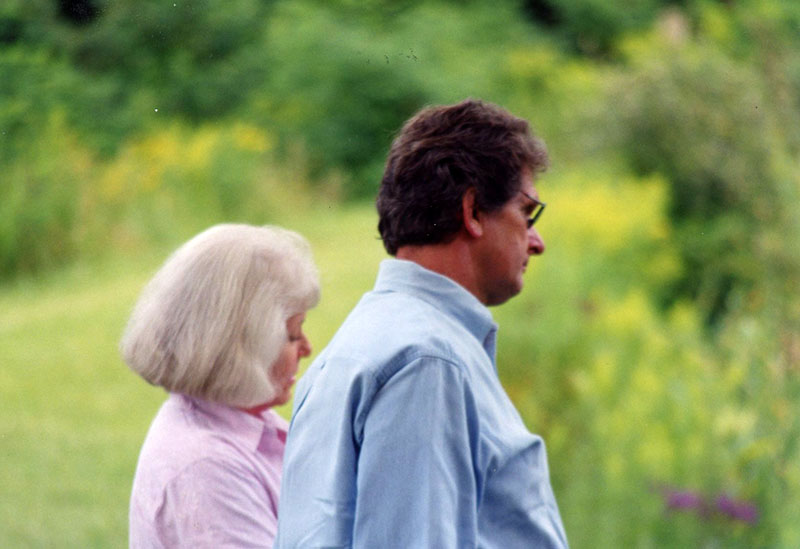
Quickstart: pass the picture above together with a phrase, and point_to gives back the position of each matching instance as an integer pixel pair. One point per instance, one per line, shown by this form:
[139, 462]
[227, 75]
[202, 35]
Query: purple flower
[737, 509]
[683, 499]
[704, 507]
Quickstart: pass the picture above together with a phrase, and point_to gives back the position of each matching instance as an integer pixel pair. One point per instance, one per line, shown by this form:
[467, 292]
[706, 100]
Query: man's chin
[502, 297]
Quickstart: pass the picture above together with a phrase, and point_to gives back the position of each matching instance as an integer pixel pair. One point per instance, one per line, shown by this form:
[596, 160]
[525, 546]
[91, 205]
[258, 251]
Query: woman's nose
[305, 348]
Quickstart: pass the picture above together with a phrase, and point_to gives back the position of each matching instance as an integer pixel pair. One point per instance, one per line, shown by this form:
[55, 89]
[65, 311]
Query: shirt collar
[443, 293]
[255, 432]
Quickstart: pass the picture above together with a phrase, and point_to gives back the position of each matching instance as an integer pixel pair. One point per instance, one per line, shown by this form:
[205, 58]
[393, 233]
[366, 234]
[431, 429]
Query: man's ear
[473, 218]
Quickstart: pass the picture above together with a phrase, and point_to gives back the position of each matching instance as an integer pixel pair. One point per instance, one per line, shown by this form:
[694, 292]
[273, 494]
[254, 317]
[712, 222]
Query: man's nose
[535, 242]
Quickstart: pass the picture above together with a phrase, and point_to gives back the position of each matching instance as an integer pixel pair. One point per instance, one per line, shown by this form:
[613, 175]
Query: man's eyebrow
[533, 199]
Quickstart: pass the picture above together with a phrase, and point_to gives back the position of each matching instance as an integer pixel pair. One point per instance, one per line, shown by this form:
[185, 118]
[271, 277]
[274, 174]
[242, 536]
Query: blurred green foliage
[657, 346]
[635, 401]
[40, 200]
[591, 27]
[707, 123]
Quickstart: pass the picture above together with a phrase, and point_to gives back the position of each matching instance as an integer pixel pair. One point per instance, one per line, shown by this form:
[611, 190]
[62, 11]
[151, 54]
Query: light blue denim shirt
[402, 436]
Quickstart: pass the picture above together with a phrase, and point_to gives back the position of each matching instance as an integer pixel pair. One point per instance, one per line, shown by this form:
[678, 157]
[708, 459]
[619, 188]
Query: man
[402, 435]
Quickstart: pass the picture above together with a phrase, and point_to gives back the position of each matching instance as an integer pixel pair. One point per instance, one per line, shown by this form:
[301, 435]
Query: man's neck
[452, 260]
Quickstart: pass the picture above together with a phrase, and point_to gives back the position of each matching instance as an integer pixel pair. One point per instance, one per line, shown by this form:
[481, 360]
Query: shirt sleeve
[416, 480]
[216, 504]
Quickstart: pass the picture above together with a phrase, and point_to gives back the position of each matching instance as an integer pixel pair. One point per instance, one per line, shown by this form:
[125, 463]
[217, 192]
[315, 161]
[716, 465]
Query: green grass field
[73, 415]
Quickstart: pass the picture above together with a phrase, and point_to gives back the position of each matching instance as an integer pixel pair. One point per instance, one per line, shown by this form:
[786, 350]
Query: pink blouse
[208, 476]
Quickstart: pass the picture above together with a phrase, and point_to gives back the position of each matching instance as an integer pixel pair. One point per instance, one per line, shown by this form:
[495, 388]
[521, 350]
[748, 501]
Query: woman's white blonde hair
[212, 321]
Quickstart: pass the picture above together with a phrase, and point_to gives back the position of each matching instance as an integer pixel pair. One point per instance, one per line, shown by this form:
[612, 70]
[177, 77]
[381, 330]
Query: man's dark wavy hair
[439, 154]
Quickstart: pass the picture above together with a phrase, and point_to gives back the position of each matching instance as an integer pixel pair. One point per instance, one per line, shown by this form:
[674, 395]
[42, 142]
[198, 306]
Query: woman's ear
[471, 215]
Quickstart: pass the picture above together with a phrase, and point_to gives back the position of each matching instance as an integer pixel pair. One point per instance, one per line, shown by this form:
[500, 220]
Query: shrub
[343, 80]
[656, 435]
[593, 26]
[705, 122]
[40, 200]
[166, 186]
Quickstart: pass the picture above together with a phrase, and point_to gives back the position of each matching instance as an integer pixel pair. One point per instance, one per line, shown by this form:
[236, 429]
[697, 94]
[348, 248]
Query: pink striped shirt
[208, 476]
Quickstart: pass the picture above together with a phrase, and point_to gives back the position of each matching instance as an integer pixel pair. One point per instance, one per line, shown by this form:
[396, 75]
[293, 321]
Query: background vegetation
[657, 344]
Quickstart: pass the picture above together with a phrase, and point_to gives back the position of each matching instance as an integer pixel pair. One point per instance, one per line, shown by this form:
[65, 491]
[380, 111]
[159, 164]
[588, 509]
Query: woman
[220, 327]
